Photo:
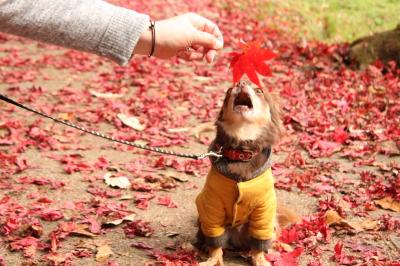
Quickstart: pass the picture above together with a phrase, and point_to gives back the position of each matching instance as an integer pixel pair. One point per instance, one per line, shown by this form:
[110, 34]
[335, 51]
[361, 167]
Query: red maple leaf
[250, 62]
[166, 201]
[285, 259]
[340, 257]
[289, 236]
[52, 215]
[138, 228]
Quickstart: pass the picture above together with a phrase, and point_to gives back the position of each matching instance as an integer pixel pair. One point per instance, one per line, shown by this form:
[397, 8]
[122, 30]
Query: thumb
[207, 40]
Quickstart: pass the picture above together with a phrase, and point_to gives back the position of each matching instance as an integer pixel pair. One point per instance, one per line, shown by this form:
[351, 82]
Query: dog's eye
[260, 91]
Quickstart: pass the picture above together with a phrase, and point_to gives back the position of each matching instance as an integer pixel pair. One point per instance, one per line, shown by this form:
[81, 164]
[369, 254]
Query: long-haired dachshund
[237, 206]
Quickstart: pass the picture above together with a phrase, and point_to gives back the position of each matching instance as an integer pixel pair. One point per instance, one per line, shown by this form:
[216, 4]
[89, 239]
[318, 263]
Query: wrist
[143, 46]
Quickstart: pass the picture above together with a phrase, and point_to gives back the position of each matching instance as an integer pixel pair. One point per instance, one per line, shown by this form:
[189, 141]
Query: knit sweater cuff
[261, 245]
[123, 32]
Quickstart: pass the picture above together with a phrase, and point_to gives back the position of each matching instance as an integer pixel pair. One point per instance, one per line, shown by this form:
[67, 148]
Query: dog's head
[250, 114]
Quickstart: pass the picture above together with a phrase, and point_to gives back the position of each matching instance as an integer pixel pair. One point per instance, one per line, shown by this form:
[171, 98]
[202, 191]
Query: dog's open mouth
[242, 102]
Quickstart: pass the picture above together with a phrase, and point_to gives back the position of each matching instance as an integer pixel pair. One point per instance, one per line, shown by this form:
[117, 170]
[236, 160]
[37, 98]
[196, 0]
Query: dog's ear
[227, 96]
[276, 126]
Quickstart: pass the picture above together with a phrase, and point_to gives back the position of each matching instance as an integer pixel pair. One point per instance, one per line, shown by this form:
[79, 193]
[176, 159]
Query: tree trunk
[383, 46]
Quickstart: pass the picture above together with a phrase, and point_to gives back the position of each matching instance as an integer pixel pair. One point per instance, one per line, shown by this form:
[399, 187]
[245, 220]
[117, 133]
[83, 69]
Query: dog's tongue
[243, 99]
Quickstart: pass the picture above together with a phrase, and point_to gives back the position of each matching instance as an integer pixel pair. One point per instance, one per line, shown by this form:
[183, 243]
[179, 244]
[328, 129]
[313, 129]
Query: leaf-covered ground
[338, 165]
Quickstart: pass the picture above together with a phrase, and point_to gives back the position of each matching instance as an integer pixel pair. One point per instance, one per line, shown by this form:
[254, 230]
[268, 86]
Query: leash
[98, 134]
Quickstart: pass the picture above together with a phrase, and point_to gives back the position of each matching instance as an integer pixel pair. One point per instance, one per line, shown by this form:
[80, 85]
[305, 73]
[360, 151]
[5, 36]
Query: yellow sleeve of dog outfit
[258, 195]
[211, 213]
[262, 218]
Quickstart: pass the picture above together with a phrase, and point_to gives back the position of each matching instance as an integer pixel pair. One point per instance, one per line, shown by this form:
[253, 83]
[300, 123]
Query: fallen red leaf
[285, 258]
[52, 215]
[339, 255]
[28, 244]
[138, 228]
[166, 201]
[178, 258]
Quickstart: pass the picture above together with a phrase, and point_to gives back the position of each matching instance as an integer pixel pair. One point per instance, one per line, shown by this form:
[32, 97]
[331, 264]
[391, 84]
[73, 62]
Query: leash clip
[210, 154]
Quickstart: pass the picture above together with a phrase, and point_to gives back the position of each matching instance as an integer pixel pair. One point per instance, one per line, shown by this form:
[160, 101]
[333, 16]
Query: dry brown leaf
[177, 176]
[141, 142]
[107, 95]
[4, 131]
[332, 217]
[131, 121]
[119, 182]
[353, 225]
[195, 131]
[201, 78]
[388, 203]
[128, 218]
[388, 147]
[80, 230]
[286, 247]
[62, 139]
[202, 128]
[66, 116]
[57, 258]
[180, 177]
[377, 89]
[126, 197]
[30, 251]
[103, 253]
[370, 224]
[178, 130]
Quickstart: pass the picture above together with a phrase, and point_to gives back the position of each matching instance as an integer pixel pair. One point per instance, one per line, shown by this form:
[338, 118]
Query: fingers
[205, 25]
[212, 28]
[207, 40]
[196, 56]
[210, 55]
[209, 36]
[190, 54]
[210, 45]
[202, 40]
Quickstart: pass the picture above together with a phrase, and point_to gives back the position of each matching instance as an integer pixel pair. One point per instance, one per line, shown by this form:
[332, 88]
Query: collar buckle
[246, 155]
[239, 155]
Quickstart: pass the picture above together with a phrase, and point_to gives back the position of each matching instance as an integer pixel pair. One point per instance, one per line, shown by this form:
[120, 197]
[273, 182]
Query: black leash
[98, 134]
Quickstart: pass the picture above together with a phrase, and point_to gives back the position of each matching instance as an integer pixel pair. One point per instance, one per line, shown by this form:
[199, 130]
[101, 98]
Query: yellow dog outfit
[224, 201]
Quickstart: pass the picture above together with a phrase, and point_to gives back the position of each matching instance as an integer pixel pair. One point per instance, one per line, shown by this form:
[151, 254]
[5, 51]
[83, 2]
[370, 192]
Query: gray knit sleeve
[88, 25]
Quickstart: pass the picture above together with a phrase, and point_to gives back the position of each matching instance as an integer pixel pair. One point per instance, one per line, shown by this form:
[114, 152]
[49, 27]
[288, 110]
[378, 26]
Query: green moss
[335, 20]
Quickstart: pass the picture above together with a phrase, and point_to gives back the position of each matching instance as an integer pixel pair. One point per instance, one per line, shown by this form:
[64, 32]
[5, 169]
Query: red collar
[236, 155]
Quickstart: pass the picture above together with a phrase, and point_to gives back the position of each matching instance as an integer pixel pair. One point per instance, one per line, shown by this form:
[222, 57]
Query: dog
[237, 206]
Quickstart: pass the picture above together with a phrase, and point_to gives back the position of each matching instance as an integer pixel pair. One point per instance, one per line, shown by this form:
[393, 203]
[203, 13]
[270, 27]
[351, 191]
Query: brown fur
[272, 131]
[239, 237]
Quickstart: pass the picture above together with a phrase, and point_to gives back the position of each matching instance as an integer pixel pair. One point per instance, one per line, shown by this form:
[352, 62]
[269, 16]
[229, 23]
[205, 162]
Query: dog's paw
[212, 262]
[258, 259]
[216, 258]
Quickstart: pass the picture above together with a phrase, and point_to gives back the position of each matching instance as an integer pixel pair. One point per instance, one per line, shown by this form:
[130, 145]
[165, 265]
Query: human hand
[188, 36]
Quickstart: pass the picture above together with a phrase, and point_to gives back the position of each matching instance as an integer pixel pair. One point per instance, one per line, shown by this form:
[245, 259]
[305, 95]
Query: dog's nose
[241, 86]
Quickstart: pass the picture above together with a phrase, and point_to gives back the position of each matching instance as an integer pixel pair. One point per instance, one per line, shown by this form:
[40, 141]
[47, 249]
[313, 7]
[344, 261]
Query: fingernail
[219, 44]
